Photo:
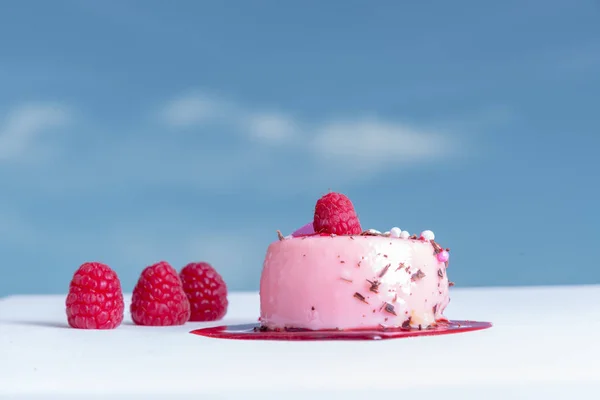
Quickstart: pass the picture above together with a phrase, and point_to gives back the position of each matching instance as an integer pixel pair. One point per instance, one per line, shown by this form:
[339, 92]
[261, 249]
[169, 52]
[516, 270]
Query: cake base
[254, 332]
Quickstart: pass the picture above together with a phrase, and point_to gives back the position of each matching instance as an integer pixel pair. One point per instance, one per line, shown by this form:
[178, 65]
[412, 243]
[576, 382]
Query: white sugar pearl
[395, 232]
[404, 235]
[427, 235]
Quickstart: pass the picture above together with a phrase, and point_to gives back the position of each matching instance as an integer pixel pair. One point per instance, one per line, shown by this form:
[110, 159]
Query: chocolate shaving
[359, 264]
[446, 264]
[384, 270]
[406, 324]
[390, 308]
[413, 237]
[346, 279]
[400, 266]
[420, 327]
[342, 262]
[436, 248]
[440, 273]
[450, 284]
[417, 276]
[385, 256]
[371, 233]
[374, 286]
[313, 308]
[280, 236]
[395, 297]
[360, 297]
[435, 309]
[351, 237]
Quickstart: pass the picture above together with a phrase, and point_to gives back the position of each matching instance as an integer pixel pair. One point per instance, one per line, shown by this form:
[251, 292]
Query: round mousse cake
[361, 280]
[353, 282]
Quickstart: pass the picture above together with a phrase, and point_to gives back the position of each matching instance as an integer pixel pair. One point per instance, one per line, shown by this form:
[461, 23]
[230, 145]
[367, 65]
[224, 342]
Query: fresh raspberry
[334, 213]
[206, 290]
[158, 297]
[95, 299]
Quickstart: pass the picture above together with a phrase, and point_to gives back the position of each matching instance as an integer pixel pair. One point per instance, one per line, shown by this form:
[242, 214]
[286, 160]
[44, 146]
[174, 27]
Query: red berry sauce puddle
[253, 332]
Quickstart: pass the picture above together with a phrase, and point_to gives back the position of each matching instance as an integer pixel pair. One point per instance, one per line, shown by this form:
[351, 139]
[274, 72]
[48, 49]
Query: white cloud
[271, 127]
[23, 126]
[200, 109]
[193, 110]
[373, 141]
[377, 143]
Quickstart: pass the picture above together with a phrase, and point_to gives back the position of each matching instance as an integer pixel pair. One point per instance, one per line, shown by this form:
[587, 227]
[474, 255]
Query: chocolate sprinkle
[280, 236]
[346, 279]
[374, 286]
[406, 324]
[384, 270]
[313, 308]
[390, 308]
[417, 276]
[370, 233]
[360, 297]
[440, 273]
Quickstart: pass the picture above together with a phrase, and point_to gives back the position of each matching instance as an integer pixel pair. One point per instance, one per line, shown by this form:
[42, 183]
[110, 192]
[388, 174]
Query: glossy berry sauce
[253, 332]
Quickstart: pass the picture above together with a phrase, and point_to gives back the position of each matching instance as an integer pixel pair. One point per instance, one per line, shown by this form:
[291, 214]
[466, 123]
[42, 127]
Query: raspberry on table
[95, 299]
[206, 290]
[158, 297]
[334, 213]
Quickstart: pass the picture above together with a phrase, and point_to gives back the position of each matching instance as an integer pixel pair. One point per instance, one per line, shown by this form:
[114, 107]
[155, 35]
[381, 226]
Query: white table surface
[545, 343]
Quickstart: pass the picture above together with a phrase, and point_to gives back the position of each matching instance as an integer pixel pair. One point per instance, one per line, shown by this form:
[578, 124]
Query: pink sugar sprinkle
[443, 256]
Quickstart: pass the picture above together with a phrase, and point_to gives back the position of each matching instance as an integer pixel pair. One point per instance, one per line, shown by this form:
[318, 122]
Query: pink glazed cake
[316, 279]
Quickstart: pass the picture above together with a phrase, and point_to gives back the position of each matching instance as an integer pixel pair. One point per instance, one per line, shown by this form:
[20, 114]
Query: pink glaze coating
[352, 282]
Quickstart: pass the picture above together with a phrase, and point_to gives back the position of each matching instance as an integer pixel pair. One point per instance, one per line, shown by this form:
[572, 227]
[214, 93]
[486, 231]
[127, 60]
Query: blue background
[137, 131]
